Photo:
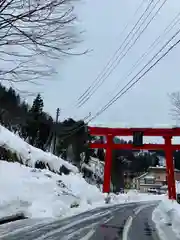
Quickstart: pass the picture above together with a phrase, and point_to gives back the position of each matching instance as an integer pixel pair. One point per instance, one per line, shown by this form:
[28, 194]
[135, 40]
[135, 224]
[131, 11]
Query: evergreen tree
[37, 107]
[34, 121]
[177, 159]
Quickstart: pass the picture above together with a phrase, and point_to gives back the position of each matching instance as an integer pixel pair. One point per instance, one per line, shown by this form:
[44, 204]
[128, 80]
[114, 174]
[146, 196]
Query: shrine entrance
[137, 133]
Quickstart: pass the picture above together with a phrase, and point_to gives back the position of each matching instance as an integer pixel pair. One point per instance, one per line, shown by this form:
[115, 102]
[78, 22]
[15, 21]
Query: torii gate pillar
[170, 167]
[108, 164]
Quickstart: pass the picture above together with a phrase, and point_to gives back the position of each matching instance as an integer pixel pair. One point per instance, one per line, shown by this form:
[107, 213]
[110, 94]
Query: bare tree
[34, 34]
[175, 101]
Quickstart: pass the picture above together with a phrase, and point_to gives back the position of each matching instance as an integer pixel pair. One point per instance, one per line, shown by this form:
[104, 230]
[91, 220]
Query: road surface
[131, 221]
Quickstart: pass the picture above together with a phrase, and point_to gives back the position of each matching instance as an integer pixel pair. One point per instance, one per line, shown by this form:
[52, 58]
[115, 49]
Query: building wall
[177, 176]
[161, 175]
[144, 187]
[160, 180]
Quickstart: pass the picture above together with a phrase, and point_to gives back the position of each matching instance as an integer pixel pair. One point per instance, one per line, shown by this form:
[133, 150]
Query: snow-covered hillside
[30, 155]
[41, 193]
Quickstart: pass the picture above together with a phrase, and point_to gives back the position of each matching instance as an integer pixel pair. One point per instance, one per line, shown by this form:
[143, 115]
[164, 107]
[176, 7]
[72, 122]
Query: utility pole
[55, 130]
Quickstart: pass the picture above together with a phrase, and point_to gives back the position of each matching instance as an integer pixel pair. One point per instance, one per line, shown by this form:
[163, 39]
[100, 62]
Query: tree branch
[33, 32]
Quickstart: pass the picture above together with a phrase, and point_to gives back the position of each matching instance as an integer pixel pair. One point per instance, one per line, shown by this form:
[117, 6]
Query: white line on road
[139, 209]
[129, 221]
[88, 235]
[108, 219]
[75, 232]
[58, 230]
[126, 228]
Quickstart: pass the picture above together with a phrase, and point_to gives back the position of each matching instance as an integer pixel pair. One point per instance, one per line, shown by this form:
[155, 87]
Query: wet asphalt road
[131, 221]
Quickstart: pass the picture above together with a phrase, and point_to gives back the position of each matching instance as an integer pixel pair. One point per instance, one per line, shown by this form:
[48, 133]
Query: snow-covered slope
[41, 193]
[28, 154]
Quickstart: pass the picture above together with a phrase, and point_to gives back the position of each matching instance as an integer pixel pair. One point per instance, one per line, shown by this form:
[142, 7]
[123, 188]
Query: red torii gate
[110, 133]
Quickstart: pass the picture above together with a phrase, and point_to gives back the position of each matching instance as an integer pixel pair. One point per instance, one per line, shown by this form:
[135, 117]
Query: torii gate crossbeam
[110, 133]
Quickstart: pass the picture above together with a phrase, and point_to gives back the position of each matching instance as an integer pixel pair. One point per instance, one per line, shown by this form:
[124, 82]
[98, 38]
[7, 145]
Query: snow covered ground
[41, 193]
[167, 217]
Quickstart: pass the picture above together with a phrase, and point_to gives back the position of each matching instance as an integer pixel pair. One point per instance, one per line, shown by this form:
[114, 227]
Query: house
[128, 178]
[154, 179]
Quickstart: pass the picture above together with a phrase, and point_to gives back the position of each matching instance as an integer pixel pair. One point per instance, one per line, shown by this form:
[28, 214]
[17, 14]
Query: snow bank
[135, 196]
[167, 219]
[29, 154]
[43, 194]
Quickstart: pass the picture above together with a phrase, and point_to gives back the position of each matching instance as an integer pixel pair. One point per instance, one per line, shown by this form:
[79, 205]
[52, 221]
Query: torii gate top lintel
[110, 133]
[129, 131]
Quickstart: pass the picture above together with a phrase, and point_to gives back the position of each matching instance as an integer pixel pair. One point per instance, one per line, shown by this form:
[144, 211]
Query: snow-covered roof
[162, 168]
[149, 177]
[157, 167]
[127, 125]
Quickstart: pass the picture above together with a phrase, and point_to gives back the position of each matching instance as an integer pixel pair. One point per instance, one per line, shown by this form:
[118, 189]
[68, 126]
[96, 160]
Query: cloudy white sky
[147, 103]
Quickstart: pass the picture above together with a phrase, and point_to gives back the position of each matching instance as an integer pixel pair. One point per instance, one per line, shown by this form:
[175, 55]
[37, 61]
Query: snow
[135, 196]
[127, 125]
[95, 166]
[167, 217]
[43, 194]
[29, 154]
[150, 177]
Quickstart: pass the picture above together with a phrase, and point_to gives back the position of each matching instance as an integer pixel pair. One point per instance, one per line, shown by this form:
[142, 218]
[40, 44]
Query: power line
[86, 118]
[99, 75]
[85, 99]
[132, 83]
[76, 129]
[124, 89]
[170, 26]
[145, 54]
[114, 99]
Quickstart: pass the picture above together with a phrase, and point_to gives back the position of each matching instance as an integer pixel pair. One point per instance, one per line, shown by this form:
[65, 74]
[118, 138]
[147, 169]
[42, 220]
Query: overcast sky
[147, 103]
